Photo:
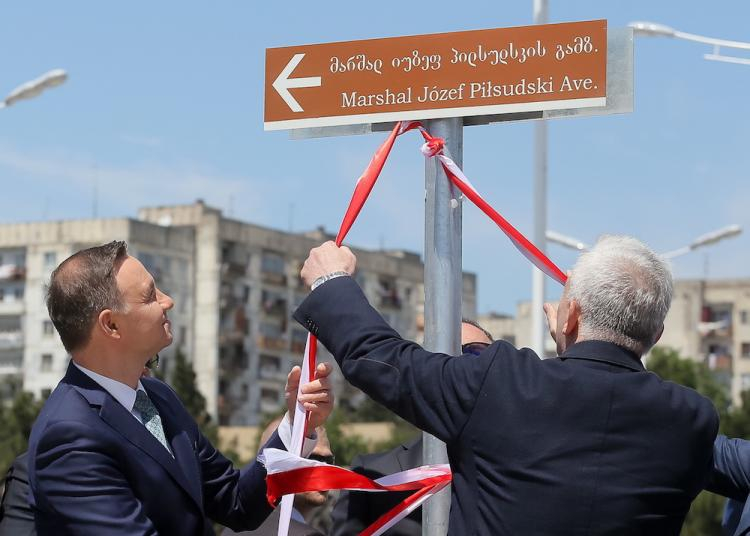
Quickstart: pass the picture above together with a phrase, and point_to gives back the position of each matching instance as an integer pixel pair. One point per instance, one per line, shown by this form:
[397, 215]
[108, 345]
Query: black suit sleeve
[435, 392]
[17, 518]
[236, 499]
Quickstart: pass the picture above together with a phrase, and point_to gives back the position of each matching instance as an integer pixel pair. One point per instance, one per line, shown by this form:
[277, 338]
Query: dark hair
[80, 288]
[480, 328]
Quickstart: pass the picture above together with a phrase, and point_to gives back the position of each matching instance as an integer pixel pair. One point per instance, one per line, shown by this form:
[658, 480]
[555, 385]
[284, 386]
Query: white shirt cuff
[285, 434]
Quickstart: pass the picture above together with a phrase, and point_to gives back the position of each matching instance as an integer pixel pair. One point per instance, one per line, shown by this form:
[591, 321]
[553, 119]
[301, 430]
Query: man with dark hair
[113, 453]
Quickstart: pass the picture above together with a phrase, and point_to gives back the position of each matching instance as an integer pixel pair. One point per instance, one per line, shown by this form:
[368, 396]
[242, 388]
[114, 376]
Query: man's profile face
[321, 452]
[143, 324]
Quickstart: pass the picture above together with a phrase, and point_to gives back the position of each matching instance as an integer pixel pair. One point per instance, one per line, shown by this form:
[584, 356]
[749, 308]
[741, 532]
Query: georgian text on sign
[480, 72]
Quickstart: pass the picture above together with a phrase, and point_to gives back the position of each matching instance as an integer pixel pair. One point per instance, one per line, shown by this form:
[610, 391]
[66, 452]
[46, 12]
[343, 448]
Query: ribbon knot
[433, 147]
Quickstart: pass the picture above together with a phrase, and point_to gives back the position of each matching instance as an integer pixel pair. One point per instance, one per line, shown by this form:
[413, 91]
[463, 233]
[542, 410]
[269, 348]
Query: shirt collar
[605, 352]
[124, 394]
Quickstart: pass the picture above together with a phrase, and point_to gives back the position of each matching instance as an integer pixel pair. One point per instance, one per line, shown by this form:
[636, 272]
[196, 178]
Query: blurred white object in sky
[703, 240]
[654, 29]
[32, 88]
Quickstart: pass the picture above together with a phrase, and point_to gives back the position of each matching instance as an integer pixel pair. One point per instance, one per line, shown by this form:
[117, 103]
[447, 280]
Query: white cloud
[129, 187]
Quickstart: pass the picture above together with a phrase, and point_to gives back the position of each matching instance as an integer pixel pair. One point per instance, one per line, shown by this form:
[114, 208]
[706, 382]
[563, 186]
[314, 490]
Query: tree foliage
[704, 518]
[183, 382]
[17, 418]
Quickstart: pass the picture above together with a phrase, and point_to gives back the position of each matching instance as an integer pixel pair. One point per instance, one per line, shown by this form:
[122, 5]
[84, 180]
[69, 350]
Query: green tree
[183, 382]
[737, 422]
[704, 518]
[344, 446]
[16, 420]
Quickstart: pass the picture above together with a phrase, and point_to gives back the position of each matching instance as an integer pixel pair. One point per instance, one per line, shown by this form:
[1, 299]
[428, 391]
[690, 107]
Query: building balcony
[12, 307]
[233, 269]
[271, 373]
[271, 343]
[10, 340]
[273, 278]
[12, 272]
[11, 363]
[267, 406]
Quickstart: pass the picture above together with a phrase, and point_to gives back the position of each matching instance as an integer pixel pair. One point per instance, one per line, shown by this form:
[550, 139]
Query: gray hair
[624, 290]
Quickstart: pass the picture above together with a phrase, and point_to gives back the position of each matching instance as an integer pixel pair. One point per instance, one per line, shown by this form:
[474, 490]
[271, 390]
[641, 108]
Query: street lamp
[654, 29]
[35, 87]
[705, 240]
[567, 241]
[701, 241]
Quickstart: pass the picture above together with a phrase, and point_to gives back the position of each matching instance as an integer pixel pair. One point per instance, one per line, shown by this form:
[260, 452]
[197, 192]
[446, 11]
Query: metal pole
[538, 330]
[442, 288]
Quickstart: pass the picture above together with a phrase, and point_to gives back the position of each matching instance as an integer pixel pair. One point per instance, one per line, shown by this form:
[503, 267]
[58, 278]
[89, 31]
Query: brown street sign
[459, 74]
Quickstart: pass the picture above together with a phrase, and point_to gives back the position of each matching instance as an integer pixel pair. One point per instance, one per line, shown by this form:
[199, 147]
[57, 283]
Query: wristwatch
[323, 278]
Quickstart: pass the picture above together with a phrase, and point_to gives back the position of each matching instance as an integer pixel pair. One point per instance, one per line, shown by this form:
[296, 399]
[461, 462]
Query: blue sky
[165, 101]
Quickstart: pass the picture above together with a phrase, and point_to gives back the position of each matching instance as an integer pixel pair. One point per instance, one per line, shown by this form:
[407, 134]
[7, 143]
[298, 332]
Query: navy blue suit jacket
[731, 478]
[356, 510]
[588, 443]
[94, 469]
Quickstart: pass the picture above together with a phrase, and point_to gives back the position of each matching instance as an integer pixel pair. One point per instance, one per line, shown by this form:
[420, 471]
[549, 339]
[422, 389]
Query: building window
[745, 350]
[47, 328]
[272, 263]
[743, 317]
[269, 396]
[18, 293]
[50, 259]
[46, 363]
[2, 293]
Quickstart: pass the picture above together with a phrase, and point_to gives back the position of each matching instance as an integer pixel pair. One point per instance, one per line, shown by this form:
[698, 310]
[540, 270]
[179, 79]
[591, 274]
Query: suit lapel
[124, 423]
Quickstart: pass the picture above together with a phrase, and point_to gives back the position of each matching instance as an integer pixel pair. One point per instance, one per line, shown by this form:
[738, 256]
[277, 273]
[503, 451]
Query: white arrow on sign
[283, 83]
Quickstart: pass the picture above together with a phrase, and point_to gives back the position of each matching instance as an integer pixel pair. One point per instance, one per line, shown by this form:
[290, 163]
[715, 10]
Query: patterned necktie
[150, 417]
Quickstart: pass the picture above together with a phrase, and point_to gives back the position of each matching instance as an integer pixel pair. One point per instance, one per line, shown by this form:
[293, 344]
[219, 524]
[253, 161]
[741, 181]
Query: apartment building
[235, 285]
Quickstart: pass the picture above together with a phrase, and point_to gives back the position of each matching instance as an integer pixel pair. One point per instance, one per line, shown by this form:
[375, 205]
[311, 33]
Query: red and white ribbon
[362, 190]
[289, 474]
[433, 147]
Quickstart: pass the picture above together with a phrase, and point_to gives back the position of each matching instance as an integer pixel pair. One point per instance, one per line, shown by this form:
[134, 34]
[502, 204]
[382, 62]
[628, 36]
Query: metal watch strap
[323, 278]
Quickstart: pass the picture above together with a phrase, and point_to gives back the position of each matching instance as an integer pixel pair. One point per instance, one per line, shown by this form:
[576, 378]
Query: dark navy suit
[357, 510]
[588, 443]
[731, 478]
[95, 469]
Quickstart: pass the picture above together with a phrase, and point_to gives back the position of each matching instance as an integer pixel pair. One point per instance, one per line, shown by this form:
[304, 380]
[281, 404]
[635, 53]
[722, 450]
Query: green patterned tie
[150, 417]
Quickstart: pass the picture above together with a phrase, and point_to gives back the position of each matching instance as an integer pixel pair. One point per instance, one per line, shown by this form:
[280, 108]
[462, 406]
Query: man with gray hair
[586, 443]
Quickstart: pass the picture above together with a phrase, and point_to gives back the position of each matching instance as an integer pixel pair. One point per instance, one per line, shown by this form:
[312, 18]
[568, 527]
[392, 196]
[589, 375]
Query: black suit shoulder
[16, 515]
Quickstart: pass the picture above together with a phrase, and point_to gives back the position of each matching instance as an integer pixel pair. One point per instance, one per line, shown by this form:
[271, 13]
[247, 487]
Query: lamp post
[538, 325]
[35, 87]
[703, 240]
[654, 29]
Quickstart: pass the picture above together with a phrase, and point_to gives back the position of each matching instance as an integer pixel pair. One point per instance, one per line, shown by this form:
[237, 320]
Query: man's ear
[571, 320]
[107, 324]
[658, 335]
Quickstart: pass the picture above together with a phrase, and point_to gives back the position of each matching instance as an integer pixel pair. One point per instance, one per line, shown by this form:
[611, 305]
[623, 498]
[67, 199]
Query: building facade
[235, 286]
